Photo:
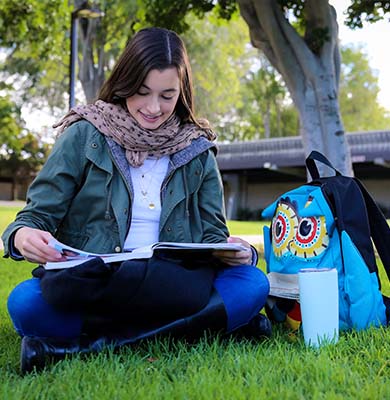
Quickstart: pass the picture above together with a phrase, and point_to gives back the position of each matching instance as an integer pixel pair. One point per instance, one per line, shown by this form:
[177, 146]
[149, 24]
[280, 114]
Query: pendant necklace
[144, 192]
[145, 189]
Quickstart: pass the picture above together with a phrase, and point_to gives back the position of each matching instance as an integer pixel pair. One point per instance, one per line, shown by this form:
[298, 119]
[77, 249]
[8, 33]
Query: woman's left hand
[236, 257]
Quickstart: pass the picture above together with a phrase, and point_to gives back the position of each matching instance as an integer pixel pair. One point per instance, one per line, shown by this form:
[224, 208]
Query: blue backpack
[328, 222]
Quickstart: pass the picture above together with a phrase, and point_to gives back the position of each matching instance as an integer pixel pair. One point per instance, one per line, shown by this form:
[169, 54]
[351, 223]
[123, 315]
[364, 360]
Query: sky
[373, 37]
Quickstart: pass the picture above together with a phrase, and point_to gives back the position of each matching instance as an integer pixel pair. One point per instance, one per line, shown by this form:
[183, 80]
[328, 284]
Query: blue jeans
[243, 289]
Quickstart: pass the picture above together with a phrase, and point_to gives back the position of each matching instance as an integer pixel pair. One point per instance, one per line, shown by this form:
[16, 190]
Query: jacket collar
[177, 160]
[184, 156]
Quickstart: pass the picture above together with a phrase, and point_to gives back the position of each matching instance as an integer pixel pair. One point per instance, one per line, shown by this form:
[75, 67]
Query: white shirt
[146, 210]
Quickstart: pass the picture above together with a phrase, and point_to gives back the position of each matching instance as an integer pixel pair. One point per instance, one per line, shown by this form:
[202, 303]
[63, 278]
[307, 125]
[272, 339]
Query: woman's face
[156, 99]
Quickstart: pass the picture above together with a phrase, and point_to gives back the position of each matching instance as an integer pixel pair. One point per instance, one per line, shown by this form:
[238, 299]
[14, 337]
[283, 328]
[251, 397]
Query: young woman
[131, 169]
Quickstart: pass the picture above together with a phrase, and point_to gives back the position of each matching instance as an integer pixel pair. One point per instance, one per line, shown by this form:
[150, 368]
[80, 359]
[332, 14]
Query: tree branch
[258, 38]
[290, 54]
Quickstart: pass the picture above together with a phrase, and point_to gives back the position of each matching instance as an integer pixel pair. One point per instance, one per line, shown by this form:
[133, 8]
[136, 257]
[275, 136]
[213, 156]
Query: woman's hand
[236, 257]
[32, 244]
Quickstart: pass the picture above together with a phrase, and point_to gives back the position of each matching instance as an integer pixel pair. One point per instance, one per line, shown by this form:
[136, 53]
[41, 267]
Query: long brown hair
[152, 48]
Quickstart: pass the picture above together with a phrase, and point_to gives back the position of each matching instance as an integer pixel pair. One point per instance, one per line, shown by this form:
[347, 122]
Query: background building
[256, 172]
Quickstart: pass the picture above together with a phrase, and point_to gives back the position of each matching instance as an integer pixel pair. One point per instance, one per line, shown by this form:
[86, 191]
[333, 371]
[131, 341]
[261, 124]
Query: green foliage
[36, 37]
[21, 152]
[25, 158]
[219, 58]
[242, 102]
[235, 101]
[369, 11]
[33, 25]
[268, 108]
[172, 14]
[359, 90]
[11, 125]
[33, 31]
[117, 26]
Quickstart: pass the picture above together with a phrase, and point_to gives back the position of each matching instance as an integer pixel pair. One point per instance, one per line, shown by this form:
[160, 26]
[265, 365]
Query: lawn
[238, 228]
[216, 367]
[7, 214]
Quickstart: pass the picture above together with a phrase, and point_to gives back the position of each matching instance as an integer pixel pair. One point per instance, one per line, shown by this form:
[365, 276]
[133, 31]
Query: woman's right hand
[32, 244]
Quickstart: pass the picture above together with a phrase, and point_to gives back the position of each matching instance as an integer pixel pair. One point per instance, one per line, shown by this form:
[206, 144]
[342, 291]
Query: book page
[75, 256]
[71, 253]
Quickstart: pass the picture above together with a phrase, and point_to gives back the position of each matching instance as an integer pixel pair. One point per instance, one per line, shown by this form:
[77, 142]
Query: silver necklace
[145, 188]
[145, 193]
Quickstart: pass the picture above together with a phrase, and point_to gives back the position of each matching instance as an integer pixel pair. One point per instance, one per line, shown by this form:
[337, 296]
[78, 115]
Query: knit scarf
[115, 122]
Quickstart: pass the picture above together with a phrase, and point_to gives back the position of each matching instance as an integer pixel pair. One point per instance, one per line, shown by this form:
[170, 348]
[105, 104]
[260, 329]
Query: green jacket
[83, 195]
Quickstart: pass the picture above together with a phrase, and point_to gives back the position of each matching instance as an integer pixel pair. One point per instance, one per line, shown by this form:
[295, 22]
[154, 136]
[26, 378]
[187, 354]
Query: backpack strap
[312, 167]
[380, 230]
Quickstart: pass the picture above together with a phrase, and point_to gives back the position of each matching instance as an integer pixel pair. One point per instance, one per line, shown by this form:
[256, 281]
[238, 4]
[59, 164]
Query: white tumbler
[319, 300]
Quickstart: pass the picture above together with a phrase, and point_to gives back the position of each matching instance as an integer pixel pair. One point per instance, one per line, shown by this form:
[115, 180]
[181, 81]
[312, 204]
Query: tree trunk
[91, 64]
[90, 55]
[278, 118]
[310, 69]
[267, 120]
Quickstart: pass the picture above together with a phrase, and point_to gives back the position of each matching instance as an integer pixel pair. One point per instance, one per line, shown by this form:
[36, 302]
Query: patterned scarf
[115, 122]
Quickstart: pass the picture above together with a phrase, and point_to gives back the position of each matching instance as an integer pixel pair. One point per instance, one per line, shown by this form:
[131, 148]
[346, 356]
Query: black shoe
[258, 327]
[32, 355]
[37, 352]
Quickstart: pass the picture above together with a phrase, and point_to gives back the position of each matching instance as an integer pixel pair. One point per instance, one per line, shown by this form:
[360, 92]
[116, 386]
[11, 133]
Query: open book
[75, 257]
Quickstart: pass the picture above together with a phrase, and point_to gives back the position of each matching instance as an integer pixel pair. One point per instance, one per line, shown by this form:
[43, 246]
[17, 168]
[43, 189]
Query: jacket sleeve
[212, 206]
[211, 203]
[52, 191]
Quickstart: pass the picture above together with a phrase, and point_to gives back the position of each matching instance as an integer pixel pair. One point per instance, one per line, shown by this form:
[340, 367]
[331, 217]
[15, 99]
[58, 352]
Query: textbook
[75, 257]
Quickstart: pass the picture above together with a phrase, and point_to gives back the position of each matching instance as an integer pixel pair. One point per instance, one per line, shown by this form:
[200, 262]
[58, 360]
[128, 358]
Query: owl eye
[280, 228]
[311, 238]
[284, 225]
[306, 230]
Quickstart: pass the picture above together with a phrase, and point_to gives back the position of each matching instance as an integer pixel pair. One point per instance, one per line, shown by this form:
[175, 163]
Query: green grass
[246, 227]
[357, 367]
[7, 214]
